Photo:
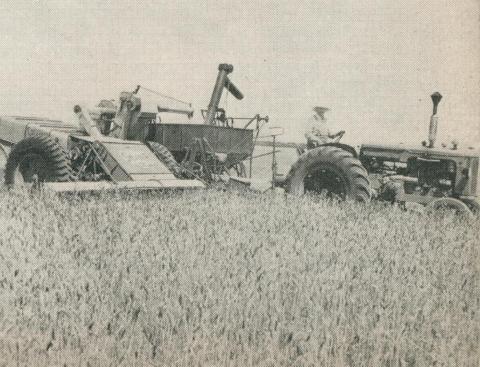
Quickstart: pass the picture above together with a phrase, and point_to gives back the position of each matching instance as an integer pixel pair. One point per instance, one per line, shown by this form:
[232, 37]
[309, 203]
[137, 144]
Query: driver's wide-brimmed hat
[320, 111]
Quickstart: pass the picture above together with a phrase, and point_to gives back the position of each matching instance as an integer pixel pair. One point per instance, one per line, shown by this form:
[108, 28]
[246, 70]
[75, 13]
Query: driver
[319, 131]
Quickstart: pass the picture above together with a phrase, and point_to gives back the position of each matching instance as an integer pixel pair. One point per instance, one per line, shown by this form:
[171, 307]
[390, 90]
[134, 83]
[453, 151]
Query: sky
[374, 63]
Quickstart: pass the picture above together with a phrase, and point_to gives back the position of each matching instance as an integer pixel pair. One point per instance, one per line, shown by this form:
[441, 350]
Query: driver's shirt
[318, 130]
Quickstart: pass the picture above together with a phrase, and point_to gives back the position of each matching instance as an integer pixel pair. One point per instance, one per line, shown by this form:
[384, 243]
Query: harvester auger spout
[223, 81]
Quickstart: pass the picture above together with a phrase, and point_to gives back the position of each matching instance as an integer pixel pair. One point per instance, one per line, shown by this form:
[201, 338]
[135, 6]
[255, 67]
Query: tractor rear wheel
[166, 157]
[330, 170]
[37, 158]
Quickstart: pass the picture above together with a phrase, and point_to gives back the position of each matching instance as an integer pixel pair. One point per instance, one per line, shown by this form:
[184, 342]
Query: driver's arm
[310, 135]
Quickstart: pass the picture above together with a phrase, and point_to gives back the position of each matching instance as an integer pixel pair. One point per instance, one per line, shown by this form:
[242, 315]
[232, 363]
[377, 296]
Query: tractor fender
[346, 147]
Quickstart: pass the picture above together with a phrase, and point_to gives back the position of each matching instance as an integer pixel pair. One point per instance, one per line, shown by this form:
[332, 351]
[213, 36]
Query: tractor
[433, 177]
[121, 146]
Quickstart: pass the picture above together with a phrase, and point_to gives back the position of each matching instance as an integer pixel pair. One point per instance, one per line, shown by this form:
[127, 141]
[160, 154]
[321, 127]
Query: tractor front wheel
[449, 205]
[473, 205]
[37, 158]
[330, 170]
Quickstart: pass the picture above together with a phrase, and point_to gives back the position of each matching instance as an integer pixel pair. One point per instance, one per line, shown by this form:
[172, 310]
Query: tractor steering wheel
[339, 136]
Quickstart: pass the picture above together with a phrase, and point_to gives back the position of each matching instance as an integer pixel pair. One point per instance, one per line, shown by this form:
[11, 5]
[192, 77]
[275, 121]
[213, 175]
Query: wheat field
[234, 279]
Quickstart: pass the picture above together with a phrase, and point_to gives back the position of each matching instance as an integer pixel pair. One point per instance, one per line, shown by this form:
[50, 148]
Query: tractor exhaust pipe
[432, 131]
[222, 81]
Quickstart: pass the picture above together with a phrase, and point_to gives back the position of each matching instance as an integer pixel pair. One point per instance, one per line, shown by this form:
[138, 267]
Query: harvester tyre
[37, 157]
[166, 157]
[331, 170]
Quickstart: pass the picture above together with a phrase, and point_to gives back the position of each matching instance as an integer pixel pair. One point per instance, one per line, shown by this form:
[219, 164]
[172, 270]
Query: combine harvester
[123, 147]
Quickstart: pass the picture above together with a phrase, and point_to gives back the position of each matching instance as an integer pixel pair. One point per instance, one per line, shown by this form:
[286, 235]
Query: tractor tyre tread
[352, 171]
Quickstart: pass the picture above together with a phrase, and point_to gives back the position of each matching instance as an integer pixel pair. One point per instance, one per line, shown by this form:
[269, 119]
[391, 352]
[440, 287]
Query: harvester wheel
[449, 204]
[37, 158]
[166, 157]
[330, 170]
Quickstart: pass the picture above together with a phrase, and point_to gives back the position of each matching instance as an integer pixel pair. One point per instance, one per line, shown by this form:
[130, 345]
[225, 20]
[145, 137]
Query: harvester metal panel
[236, 143]
[16, 128]
[176, 137]
[85, 187]
[137, 160]
[151, 176]
[131, 165]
